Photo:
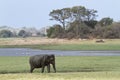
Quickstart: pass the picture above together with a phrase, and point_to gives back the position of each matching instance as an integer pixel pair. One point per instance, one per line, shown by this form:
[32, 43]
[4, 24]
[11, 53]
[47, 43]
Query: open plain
[68, 67]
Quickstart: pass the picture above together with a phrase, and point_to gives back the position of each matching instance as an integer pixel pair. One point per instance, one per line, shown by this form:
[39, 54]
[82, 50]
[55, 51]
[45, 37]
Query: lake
[30, 52]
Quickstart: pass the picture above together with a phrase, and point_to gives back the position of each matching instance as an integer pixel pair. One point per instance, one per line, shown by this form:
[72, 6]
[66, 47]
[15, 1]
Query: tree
[61, 15]
[106, 21]
[78, 13]
[50, 31]
[90, 14]
[112, 31]
[22, 33]
[80, 30]
[6, 33]
[91, 23]
[55, 31]
[76, 21]
[84, 16]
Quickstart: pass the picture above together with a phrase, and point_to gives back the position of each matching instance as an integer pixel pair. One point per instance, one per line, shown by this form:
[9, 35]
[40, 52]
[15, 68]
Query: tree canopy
[80, 22]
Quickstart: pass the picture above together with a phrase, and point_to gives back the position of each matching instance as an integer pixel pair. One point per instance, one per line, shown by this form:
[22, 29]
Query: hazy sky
[35, 13]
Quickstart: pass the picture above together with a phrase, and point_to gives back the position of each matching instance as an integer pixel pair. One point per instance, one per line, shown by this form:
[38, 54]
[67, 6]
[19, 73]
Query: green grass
[63, 64]
[80, 47]
[68, 68]
[67, 46]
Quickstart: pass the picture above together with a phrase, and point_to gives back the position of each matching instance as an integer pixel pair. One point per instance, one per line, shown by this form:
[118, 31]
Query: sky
[35, 13]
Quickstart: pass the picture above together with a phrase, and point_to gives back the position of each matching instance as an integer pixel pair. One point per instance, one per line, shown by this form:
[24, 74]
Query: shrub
[6, 33]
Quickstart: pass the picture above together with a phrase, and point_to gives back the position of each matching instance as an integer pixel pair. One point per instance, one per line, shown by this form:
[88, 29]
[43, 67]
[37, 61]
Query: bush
[22, 33]
[112, 31]
[70, 35]
[6, 33]
[55, 31]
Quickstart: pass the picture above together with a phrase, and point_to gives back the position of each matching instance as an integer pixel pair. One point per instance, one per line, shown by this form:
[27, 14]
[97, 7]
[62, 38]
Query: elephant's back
[35, 60]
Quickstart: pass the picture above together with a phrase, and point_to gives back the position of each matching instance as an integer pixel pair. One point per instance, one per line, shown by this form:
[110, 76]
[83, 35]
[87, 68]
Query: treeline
[6, 32]
[80, 22]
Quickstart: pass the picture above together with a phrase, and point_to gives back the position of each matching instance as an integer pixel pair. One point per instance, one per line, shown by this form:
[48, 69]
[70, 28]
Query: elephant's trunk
[53, 64]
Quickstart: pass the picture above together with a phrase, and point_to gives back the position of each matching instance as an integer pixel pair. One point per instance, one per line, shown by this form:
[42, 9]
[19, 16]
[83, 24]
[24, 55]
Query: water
[30, 52]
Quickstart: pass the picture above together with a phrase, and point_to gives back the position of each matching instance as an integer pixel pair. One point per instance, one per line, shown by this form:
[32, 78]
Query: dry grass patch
[63, 76]
[38, 40]
[59, 44]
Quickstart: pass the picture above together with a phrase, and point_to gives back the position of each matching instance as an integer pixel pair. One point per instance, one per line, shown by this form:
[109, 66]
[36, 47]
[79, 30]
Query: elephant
[40, 61]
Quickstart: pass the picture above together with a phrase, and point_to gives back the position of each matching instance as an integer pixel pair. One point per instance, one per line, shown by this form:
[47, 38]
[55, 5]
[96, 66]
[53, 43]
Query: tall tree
[78, 13]
[61, 15]
[78, 17]
[90, 14]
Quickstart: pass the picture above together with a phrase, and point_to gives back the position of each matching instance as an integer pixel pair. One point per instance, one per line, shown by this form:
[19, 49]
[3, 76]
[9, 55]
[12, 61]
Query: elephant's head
[52, 61]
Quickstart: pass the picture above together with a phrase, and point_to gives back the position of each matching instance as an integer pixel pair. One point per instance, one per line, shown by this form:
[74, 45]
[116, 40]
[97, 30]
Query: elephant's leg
[31, 69]
[48, 68]
[54, 68]
[42, 69]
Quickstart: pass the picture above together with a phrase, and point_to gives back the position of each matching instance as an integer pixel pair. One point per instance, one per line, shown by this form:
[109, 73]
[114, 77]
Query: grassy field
[63, 76]
[59, 44]
[68, 68]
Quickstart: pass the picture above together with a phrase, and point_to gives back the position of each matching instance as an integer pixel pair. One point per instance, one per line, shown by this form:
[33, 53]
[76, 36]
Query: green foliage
[91, 23]
[75, 22]
[50, 31]
[22, 33]
[106, 21]
[60, 15]
[110, 32]
[79, 22]
[55, 31]
[76, 13]
[6, 33]
[90, 14]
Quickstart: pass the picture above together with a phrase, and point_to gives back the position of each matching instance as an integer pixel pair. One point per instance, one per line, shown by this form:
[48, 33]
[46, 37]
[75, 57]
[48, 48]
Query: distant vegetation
[75, 22]
[80, 22]
[6, 32]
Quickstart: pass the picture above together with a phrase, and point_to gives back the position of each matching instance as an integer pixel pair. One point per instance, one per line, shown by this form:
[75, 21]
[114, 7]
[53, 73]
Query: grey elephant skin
[40, 61]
